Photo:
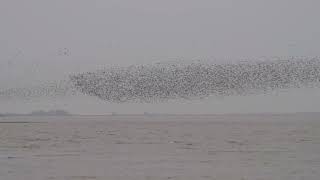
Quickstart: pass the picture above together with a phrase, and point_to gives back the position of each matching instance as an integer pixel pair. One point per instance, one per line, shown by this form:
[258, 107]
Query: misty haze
[171, 89]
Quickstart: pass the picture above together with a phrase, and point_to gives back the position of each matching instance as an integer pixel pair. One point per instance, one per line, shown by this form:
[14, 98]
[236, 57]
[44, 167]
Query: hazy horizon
[45, 41]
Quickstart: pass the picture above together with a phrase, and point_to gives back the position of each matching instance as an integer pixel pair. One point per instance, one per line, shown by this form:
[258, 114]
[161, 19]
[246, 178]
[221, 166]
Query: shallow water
[260, 146]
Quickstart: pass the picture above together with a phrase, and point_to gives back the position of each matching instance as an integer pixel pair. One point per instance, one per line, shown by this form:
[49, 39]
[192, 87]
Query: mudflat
[184, 147]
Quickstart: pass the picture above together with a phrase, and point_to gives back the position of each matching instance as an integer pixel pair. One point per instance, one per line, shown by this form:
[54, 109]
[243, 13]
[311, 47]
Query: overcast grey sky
[35, 34]
[126, 30]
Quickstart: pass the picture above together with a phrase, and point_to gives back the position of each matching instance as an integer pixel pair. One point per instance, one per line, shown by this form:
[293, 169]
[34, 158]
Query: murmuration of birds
[160, 82]
[179, 80]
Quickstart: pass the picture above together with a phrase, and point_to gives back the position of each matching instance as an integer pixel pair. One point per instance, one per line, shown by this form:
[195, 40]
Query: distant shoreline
[38, 113]
[164, 114]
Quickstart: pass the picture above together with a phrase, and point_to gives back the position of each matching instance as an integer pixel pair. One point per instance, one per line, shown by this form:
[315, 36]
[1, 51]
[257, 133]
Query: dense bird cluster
[180, 80]
[164, 81]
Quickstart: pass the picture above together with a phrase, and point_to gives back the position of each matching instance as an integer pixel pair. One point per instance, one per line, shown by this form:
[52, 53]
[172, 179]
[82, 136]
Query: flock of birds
[181, 80]
[178, 80]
